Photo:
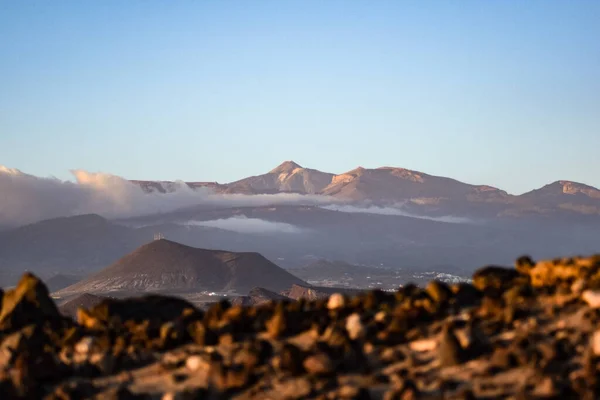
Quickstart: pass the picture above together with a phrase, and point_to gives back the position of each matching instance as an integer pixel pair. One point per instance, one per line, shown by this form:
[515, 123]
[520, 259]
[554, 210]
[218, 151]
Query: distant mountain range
[386, 217]
[416, 191]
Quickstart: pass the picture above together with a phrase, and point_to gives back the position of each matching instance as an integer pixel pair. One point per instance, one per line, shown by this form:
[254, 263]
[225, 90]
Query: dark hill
[60, 281]
[79, 243]
[86, 301]
[163, 265]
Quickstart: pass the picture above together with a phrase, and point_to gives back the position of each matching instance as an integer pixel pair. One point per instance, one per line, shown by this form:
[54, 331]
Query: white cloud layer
[397, 210]
[243, 224]
[26, 198]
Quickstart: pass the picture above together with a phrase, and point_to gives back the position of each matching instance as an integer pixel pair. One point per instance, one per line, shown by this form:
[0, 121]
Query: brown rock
[201, 334]
[28, 303]
[297, 388]
[438, 291]
[524, 264]
[291, 359]
[353, 392]
[465, 295]
[493, 277]
[449, 351]
[155, 308]
[319, 364]
[277, 325]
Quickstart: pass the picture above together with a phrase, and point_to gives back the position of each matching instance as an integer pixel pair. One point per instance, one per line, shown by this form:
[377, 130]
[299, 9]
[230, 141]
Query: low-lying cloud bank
[243, 224]
[26, 198]
[397, 210]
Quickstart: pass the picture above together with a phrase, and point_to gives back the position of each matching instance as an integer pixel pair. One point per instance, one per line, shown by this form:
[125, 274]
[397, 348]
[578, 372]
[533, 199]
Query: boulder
[28, 303]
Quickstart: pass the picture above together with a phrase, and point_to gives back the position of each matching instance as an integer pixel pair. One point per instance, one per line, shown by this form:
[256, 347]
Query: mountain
[170, 186]
[418, 192]
[564, 196]
[287, 177]
[77, 243]
[163, 265]
[388, 183]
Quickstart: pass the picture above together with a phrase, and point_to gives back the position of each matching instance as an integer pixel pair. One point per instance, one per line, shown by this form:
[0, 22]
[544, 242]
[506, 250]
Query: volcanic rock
[299, 291]
[258, 296]
[509, 335]
[28, 303]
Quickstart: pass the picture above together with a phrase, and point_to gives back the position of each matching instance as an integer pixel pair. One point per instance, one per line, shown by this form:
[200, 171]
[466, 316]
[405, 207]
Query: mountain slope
[287, 177]
[163, 265]
[72, 243]
[60, 281]
[417, 191]
[388, 183]
[566, 196]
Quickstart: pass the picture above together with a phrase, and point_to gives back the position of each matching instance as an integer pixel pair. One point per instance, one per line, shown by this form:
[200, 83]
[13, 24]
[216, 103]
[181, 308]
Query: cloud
[397, 210]
[26, 198]
[243, 224]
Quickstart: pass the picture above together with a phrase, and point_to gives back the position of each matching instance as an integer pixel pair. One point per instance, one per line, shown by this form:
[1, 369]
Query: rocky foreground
[528, 332]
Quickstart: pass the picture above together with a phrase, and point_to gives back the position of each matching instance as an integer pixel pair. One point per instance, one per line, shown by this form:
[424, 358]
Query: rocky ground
[526, 332]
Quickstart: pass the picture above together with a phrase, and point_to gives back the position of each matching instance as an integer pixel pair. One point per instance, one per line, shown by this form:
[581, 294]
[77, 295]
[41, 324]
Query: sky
[505, 93]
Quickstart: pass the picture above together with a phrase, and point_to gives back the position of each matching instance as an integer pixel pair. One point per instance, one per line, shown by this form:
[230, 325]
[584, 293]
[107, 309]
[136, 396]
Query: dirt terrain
[526, 332]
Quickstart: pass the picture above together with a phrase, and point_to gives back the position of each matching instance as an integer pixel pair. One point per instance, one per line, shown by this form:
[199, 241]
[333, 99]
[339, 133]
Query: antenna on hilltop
[158, 236]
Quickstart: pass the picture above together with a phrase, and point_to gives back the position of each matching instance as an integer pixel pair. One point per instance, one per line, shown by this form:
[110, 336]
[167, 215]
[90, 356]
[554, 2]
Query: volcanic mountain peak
[564, 187]
[163, 265]
[287, 177]
[161, 245]
[569, 187]
[287, 167]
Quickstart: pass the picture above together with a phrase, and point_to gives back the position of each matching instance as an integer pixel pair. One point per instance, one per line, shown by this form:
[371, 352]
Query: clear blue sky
[499, 92]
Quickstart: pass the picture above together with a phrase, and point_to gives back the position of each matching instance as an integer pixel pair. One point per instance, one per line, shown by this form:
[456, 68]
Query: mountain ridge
[288, 167]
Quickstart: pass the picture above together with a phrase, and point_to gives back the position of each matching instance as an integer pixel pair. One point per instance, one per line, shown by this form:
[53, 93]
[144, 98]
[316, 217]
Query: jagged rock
[449, 350]
[290, 359]
[495, 278]
[354, 326]
[151, 307]
[319, 364]
[353, 392]
[592, 297]
[298, 388]
[438, 291]
[28, 303]
[336, 301]
[550, 272]
[196, 363]
[524, 264]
